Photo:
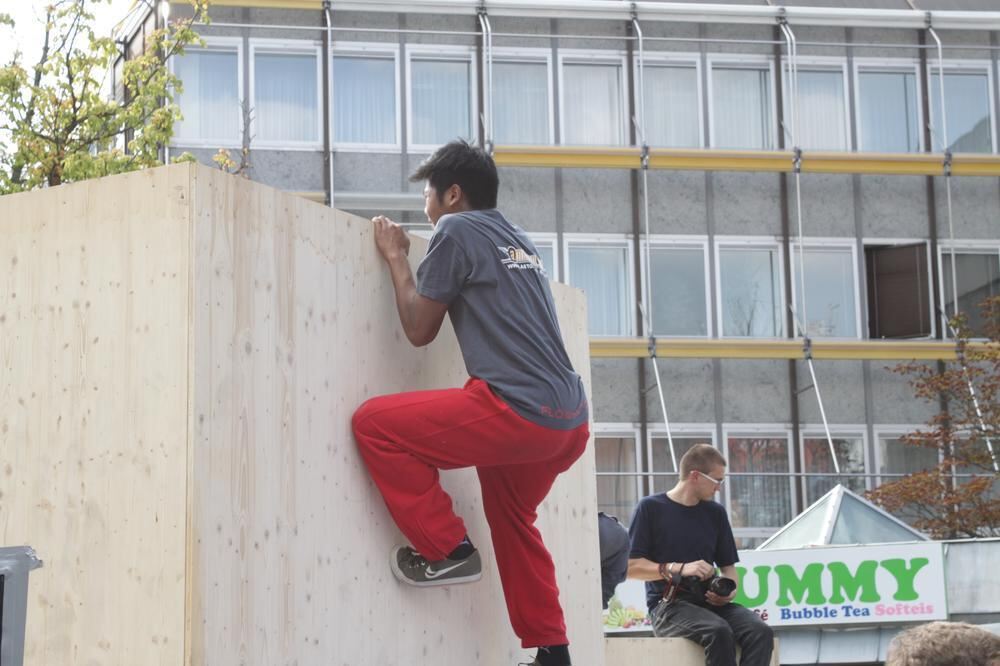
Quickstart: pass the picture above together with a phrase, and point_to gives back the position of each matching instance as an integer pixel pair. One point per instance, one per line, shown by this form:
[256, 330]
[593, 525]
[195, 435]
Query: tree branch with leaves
[960, 496]
[58, 123]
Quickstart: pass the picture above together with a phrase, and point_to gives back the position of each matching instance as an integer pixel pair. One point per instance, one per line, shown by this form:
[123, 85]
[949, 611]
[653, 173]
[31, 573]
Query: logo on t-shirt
[514, 258]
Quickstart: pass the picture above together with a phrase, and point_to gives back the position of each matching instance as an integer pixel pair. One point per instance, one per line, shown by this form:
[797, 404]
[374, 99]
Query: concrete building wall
[711, 207]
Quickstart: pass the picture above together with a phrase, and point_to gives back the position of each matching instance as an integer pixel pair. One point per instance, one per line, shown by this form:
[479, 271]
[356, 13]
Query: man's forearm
[642, 569]
[406, 294]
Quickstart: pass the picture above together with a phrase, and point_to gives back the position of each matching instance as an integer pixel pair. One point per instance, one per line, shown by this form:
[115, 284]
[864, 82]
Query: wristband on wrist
[664, 571]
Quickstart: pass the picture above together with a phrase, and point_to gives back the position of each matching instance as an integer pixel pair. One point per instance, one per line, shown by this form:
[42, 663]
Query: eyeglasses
[717, 482]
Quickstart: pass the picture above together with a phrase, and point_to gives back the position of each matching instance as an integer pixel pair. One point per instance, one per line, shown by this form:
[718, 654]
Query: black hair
[469, 167]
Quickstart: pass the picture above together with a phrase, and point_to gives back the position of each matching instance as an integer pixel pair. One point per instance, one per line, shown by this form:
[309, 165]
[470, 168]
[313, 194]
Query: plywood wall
[93, 379]
[295, 326]
[181, 360]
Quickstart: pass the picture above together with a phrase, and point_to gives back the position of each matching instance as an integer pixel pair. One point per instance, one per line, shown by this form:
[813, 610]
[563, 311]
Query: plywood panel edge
[579, 565]
[203, 182]
[192, 198]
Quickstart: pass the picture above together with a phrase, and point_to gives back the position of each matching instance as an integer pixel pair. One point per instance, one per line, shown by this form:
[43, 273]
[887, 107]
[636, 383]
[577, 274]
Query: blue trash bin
[15, 565]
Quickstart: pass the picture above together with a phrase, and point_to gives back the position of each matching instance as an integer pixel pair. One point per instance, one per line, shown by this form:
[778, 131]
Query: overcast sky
[29, 14]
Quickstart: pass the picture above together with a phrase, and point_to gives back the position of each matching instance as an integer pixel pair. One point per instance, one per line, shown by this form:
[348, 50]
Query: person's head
[459, 177]
[703, 469]
[944, 644]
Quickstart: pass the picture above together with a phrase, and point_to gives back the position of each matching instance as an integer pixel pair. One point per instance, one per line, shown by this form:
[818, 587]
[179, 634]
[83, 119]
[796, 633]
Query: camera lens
[723, 586]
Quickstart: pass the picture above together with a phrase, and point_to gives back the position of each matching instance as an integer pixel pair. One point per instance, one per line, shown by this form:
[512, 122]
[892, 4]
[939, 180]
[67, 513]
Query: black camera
[721, 585]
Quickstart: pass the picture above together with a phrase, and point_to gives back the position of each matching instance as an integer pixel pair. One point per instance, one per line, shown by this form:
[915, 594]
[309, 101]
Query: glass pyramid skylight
[841, 517]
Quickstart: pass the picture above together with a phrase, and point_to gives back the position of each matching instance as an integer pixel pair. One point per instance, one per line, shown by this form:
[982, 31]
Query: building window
[830, 308]
[896, 459]
[741, 107]
[816, 459]
[888, 110]
[602, 271]
[898, 291]
[750, 293]
[618, 492]
[672, 116]
[522, 111]
[757, 500]
[679, 290]
[210, 102]
[665, 477]
[365, 102]
[967, 104]
[593, 103]
[978, 278]
[441, 100]
[285, 96]
[822, 109]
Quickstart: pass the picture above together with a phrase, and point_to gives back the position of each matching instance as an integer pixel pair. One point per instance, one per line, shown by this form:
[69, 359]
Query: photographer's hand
[716, 600]
[701, 569]
[730, 572]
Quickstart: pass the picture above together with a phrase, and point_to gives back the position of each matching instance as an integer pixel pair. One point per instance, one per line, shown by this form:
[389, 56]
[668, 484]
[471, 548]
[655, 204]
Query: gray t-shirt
[488, 273]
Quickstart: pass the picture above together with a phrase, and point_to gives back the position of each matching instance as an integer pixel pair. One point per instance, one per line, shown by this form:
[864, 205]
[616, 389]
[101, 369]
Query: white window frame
[226, 45]
[888, 66]
[823, 64]
[765, 242]
[286, 47]
[377, 50]
[549, 239]
[741, 61]
[596, 57]
[848, 244]
[607, 240]
[816, 431]
[443, 53]
[961, 247]
[867, 241]
[683, 430]
[535, 56]
[655, 59]
[963, 67]
[893, 431]
[664, 241]
[750, 430]
[611, 429]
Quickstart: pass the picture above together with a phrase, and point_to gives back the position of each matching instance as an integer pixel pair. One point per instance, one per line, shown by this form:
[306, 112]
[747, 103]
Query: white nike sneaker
[412, 568]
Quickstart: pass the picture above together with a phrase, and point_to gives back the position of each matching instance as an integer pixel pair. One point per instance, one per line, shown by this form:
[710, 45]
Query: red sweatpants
[406, 438]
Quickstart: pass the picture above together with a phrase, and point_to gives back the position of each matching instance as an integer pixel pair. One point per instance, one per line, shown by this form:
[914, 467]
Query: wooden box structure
[181, 353]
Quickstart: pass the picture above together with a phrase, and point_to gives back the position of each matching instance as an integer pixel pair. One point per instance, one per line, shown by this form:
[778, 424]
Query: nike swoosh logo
[430, 573]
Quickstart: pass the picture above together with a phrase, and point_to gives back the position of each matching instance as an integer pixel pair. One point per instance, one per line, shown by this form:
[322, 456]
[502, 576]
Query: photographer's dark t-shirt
[487, 271]
[663, 530]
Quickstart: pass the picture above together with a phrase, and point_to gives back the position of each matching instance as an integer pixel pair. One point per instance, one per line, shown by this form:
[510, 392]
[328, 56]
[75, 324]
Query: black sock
[553, 655]
[462, 550]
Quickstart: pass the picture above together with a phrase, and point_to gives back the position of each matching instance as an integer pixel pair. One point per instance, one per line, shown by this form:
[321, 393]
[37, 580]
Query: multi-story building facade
[341, 101]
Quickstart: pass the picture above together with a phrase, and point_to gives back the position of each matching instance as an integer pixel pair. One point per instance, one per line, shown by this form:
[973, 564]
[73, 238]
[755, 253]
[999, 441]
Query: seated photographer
[678, 538]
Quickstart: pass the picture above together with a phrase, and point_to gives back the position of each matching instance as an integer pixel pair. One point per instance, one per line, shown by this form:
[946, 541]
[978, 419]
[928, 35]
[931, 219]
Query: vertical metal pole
[487, 28]
[646, 304]
[793, 66]
[327, 121]
[946, 146]
[802, 325]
